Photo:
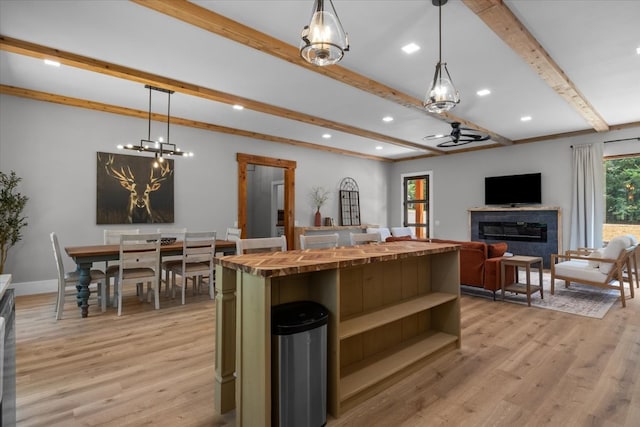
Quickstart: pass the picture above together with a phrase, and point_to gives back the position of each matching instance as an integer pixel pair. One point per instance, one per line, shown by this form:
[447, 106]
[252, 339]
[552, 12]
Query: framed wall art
[133, 189]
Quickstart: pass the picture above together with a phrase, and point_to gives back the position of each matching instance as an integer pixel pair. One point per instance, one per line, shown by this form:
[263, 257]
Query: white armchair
[600, 268]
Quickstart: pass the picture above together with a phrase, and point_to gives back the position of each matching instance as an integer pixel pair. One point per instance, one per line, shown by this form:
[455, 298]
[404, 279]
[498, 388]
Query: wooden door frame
[289, 167]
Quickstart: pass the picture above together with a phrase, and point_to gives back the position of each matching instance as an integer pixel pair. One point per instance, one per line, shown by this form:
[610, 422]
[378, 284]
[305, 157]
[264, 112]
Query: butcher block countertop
[275, 264]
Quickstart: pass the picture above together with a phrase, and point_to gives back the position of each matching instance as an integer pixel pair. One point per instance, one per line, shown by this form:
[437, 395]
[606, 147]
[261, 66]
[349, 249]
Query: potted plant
[12, 204]
[319, 196]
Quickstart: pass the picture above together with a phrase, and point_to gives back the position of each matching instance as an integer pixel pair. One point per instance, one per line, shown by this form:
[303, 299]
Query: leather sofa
[479, 263]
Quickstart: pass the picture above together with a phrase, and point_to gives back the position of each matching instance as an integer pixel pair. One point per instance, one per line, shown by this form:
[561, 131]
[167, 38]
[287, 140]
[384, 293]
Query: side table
[522, 288]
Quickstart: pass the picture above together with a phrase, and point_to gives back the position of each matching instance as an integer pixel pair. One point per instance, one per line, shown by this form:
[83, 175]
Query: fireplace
[517, 231]
[534, 231]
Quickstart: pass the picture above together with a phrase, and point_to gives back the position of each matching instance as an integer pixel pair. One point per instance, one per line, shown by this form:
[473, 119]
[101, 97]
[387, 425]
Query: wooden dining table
[85, 256]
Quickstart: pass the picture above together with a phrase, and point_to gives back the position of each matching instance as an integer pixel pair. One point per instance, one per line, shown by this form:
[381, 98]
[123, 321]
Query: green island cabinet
[393, 307]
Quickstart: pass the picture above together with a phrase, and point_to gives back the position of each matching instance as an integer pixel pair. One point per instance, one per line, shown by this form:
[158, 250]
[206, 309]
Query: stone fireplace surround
[526, 217]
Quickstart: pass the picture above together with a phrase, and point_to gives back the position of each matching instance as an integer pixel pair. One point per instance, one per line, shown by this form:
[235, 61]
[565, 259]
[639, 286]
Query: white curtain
[588, 187]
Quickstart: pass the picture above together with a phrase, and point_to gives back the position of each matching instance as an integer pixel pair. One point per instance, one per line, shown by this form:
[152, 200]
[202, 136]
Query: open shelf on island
[381, 316]
[366, 373]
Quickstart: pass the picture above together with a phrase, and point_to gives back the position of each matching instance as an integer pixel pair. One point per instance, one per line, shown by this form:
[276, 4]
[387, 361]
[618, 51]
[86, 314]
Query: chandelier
[159, 148]
[324, 41]
[442, 95]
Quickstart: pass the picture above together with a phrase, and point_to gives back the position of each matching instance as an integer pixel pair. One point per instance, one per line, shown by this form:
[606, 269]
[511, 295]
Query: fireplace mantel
[516, 208]
[550, 216]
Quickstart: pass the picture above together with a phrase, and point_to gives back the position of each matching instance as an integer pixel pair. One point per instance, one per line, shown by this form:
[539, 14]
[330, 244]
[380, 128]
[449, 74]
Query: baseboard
[32, 288]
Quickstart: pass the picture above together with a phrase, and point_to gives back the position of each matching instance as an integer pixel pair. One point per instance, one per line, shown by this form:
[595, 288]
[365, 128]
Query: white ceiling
[593, 42]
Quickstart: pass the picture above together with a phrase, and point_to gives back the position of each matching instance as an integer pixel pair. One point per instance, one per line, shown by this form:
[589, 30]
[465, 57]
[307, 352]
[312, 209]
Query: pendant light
[324, 41]
[442, 95]
[160, 148]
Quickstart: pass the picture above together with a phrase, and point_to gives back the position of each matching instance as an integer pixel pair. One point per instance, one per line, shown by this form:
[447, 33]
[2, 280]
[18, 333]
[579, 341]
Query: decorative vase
[318, 221]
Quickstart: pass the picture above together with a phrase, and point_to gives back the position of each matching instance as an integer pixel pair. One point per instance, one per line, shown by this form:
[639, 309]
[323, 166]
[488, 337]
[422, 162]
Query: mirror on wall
[266, 196]
[263, 184]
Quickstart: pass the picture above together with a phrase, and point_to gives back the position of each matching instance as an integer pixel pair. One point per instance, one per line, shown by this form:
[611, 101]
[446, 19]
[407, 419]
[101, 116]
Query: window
[622, 198]
[416, 203]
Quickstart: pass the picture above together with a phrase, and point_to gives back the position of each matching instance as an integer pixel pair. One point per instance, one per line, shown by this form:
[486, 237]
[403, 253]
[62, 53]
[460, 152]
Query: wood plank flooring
[518, 366]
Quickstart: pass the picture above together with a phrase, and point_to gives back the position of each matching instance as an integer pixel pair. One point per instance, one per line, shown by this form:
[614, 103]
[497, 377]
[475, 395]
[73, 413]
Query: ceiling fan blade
[474, 137]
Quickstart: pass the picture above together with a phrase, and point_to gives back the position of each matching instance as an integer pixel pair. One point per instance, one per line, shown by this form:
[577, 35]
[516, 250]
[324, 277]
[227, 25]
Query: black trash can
[299, 355]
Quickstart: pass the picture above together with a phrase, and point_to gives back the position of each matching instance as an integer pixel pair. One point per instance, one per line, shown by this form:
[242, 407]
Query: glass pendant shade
[442, 95]
[323, 40]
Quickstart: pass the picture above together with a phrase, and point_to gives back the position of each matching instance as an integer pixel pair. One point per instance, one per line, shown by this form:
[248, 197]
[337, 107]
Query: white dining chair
[319, 241]
[198, 250]
[66, 280]
[261, 244]
[139, 263]
[363, 238]
[233, 234]
[112, 268]
[178, 234]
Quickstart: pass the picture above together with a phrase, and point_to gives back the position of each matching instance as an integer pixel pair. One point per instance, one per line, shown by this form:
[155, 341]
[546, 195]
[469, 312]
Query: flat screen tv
[512, 190]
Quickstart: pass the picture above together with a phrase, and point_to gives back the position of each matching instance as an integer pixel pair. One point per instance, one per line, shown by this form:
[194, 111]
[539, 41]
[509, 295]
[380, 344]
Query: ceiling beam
[114, 109]
[221, 25]
[508, 27]
[67, 58]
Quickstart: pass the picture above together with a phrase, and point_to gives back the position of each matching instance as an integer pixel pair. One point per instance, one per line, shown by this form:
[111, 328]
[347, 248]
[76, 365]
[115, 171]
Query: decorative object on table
[319, 196]
[160, 148]
[442, 95]
[324, 41]
[349, 202]
[131, 190]
[12, 221]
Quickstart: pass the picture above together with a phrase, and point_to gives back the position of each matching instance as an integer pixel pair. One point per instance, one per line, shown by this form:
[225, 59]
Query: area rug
[578, 299]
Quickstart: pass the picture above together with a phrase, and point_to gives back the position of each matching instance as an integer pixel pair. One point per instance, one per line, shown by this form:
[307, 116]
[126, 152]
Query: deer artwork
[139, 207]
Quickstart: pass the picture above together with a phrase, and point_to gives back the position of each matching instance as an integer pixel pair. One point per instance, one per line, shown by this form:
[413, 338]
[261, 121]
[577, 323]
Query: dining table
[85, 256]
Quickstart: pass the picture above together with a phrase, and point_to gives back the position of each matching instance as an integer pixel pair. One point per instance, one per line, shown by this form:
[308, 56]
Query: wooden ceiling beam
[497, 16]
[114, 109]
[43, 52]
[221, 25]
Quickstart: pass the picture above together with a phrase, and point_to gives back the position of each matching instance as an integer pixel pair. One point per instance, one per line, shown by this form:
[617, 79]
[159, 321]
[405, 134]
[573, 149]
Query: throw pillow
[612, 251]
[383, 231]
[497, 249]
[598, 253]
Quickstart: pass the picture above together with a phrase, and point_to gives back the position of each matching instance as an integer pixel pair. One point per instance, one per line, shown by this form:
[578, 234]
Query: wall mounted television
[512, 190]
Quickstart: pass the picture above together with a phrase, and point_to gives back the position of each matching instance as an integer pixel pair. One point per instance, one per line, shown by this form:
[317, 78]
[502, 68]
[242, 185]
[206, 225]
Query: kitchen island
[392, 308]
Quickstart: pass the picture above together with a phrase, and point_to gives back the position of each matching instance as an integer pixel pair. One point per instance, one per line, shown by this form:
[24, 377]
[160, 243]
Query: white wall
[53, 148]
[458, 180]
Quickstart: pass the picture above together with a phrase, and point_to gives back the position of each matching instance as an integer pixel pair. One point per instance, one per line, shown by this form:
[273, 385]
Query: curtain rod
[637, 138]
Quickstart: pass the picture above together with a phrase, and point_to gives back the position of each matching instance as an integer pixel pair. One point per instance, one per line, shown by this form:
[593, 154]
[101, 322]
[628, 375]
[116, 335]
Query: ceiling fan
[458, 136]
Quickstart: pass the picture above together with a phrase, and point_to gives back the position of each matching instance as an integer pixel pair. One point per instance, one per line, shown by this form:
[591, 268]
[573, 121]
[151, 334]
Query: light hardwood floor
[518, 366]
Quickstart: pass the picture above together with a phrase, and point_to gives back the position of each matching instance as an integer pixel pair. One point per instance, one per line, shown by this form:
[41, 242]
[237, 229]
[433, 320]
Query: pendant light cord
[168, 115]
[440, 32]
[149, 121]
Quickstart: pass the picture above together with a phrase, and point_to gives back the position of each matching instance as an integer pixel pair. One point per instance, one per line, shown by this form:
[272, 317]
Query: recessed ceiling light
[483, 92]
[238, 107]
[638, 50]
[411, 48]
[525, 118]
[326, 135]
[387, 119]
[52, 62]
[378, 147]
